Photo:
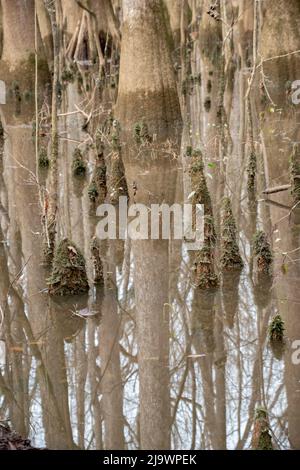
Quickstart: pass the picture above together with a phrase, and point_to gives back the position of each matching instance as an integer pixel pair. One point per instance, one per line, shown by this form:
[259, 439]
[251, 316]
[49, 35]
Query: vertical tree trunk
[148, 96]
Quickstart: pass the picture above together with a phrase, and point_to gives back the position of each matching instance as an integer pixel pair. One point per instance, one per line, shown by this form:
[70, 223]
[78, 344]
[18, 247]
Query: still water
[69, 367]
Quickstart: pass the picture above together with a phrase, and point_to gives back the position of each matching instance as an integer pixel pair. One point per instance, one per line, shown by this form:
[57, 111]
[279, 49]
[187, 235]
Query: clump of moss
[230, 254]
[97, 189]
[188, 151]
[189, 82]
[210, 236]
[207, 104]
[276, 336]
[67, 75]
[93, 191]
[141, 133]
[262, 252]
[184, 87]
[198, 182]
[43, 158]
[78, 164]
[251, 171]
[295, 173]
[97, 263]
[205, 277]
[261, 439]
[68, 276]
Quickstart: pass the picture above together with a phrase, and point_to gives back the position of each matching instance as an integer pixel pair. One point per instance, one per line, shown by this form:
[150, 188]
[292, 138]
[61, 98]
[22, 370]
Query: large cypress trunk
[148, 100]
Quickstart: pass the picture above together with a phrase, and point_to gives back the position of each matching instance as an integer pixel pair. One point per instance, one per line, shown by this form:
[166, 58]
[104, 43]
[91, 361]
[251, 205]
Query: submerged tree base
[68, 276]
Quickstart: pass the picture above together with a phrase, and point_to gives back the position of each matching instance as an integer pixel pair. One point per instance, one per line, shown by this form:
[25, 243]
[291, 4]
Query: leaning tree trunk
[149, 115]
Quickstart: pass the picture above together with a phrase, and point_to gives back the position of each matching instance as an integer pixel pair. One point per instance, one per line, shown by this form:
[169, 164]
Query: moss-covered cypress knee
[230, 255]
[200, 193]
[78, 164]
[68, 275]
[43, 158]
[205, 277]
[97, 189]
[141, 133]
[261, 439]
[262, 253]
[276, 336]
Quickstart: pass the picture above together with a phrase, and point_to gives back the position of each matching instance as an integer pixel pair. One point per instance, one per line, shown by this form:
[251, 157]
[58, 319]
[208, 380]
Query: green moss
[140, 133]
[251, 171]
[67, 75]
[207, 104]
[230, 255]
[189, 150]
[262, 439]
[262, 252]
[205, 277]
[276, 336]
[210, 236]
[276, 329]
[198, 182]
[93, 191]
[78, 164]
[97, 189]
[43, 158]
[68, 276]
